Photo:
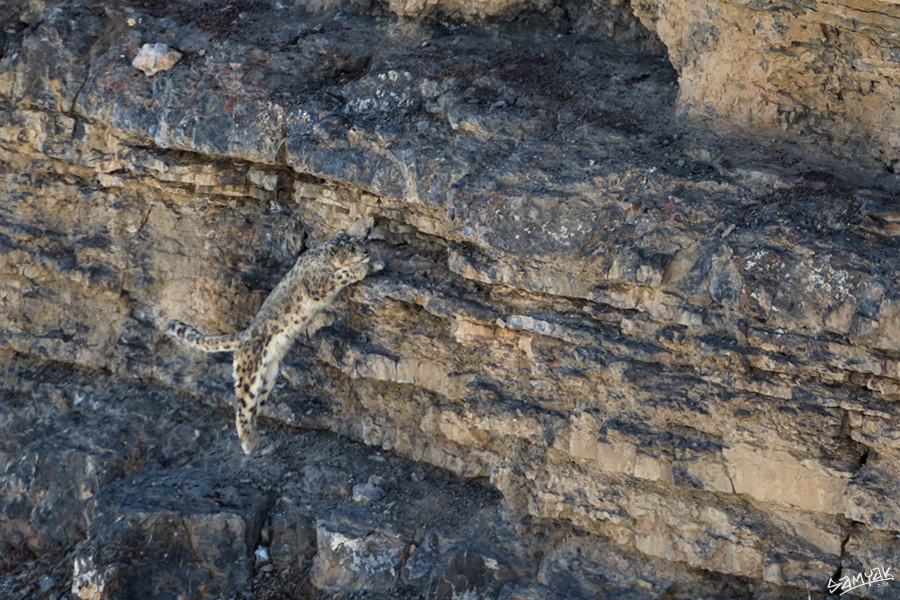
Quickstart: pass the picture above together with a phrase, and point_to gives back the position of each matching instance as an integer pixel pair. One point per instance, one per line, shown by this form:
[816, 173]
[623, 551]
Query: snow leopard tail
[207, 343]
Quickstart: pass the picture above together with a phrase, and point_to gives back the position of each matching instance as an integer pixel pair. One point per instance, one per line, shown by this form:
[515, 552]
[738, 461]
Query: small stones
[371, 491]
[153, 58]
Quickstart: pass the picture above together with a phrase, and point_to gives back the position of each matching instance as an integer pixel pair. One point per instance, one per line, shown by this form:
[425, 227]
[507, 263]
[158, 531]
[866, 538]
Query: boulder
[162, 534]
[354, 554]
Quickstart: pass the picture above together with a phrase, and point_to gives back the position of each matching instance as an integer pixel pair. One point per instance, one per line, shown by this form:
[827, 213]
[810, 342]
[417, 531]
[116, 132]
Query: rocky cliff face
[669, 359]
[822, 72]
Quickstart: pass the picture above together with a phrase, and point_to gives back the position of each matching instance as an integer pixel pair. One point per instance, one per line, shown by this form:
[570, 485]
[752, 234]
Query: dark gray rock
[46, 487]
[161, 534]
[873, 494]
[72, 435]
[356, 553]
[51, 65]
[371, 491]
[870, 555]
[423, 563]
[292, 531]
[469, 574]
[534, 591]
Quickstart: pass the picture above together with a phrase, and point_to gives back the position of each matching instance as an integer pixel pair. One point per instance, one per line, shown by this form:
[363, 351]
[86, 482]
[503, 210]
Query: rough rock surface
[670, 360]
[196, 532]
[824, 73]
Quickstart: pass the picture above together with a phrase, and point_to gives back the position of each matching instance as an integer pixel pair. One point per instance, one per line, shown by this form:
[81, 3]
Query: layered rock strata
[822, 72]
[682, 345]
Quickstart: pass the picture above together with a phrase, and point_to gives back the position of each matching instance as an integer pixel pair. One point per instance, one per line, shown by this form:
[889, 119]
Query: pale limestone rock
[755, 66]
[153, 58]
[777, 476]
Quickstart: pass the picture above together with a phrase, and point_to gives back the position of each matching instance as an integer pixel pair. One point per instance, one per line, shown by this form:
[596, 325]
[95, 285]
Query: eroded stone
[354, 556]
[159, 532]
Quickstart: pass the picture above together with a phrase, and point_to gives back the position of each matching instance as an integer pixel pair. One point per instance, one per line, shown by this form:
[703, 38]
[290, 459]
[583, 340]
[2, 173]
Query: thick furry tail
[206, 343]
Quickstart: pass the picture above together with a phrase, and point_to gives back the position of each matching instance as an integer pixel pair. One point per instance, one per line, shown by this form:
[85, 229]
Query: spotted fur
[312, 284]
